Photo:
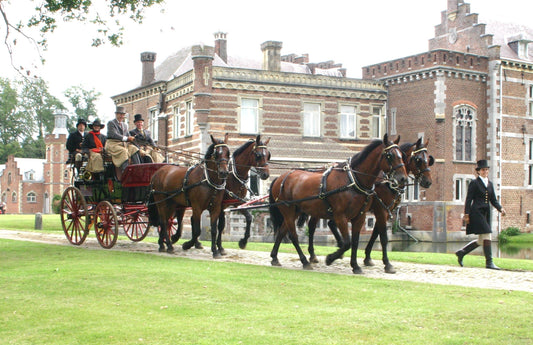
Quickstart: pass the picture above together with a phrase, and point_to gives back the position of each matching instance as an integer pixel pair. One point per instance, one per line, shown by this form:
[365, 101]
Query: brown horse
[201, 187]
[387, 198]
[342, 193]
[253, 153]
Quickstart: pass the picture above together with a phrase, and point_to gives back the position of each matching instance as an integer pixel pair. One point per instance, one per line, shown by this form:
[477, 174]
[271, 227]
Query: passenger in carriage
[74, 141]
[93, 145]
[119, 143]
[147, 147]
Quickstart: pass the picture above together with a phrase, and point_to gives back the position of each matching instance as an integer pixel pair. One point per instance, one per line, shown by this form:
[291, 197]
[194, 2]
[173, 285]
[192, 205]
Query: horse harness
[419, 161]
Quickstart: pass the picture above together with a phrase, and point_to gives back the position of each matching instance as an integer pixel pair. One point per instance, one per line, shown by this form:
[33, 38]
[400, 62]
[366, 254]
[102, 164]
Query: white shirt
[485, 181]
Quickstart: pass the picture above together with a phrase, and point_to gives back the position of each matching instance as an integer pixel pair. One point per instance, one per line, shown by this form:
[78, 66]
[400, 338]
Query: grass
[52, 223]
[70, 295]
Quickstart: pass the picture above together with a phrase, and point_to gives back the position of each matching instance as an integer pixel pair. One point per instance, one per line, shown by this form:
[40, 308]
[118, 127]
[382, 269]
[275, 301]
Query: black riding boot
[487, 250]
[465, 250]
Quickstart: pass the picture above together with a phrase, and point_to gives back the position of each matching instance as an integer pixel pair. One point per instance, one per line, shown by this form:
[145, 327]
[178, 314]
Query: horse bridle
[419, 161]
[261, 154]
[389, 157]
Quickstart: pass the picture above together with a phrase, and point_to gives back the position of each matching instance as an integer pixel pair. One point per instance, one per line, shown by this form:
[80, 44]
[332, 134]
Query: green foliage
[84, 104]
[56, 204]
[509, 232]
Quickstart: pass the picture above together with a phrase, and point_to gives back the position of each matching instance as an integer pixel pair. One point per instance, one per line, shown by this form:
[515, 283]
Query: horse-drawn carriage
[105, 204]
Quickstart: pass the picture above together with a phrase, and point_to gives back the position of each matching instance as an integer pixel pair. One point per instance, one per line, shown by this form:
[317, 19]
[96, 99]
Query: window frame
[376, 117]
[153, 123]
[250, 112]
[464, 123]
[312, 117]
[31, 197]
[343, 114]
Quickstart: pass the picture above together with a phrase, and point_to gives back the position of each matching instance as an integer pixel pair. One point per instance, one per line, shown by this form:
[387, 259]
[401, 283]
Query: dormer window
[519, 44]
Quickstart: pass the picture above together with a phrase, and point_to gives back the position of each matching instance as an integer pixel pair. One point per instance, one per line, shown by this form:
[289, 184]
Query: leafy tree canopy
[47, 15]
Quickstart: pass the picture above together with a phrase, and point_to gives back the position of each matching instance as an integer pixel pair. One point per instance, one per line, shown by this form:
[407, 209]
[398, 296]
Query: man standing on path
[477, 214]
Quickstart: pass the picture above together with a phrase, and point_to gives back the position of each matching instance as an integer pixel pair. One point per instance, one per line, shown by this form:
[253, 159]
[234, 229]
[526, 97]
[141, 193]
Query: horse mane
[211, 149]
[405, 147]
[361, 156]
[243, 147]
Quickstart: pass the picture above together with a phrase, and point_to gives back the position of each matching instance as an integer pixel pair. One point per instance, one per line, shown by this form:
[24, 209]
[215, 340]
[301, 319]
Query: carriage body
[102, 202]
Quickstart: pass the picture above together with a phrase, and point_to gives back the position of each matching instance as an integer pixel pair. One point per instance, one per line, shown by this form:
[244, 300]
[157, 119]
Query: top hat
[81, 121]
[97, 123]
[482, 164]
[138, 117]
[120, 110]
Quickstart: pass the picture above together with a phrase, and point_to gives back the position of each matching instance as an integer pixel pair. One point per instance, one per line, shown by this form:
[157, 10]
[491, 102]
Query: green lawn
[54, 294]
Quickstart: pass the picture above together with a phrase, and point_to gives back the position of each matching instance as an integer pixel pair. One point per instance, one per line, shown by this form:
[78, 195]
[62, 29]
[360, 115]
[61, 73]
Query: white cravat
[485, 181]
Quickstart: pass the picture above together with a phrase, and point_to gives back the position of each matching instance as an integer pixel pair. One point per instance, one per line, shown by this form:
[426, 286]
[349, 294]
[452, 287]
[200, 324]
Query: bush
[505, 234]
[56, 203]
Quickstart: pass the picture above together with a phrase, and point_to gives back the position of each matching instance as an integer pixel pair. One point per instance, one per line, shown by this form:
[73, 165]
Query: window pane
[189, 119]
[347, 122]
[249, 115]
[311, 119]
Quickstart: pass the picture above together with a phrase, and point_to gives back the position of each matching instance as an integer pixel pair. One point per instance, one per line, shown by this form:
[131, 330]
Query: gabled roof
[504, 33]
[31, 165]
[181, 62]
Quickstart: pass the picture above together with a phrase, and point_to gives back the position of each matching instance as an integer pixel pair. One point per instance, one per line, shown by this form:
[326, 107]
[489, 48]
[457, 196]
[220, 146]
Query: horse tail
[153, 213]
[302, 219]
[275, 215]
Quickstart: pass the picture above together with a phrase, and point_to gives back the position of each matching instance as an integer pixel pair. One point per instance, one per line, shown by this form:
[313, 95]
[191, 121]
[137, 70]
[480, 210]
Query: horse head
[419, 163]
[262, 156]
[218, 153]
[393, 164]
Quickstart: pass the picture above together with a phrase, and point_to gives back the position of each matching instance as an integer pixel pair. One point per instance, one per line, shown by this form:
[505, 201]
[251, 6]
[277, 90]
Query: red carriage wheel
[172, 226]
[136, 225]
[106, 224]
[74, 215]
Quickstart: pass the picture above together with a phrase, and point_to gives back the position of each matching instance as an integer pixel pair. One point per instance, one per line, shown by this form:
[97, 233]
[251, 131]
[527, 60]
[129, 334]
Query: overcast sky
[354, 33]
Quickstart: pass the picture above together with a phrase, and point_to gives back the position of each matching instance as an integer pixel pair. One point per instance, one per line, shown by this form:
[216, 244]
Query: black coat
[74, 141]
[142, 138]
[477, 206]
[88, 142]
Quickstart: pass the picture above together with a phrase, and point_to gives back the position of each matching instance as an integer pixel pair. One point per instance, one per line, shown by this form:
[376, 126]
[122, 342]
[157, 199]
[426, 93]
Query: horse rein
[419, 161]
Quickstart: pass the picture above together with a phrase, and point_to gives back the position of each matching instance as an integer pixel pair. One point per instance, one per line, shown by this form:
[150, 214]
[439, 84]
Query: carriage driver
[74, 141]
[147, 147]
[92, 145]
[119, 143]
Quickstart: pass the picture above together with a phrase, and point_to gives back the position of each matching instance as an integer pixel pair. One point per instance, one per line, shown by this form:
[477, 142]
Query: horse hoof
[369, 262]
[161, 249]
[313, 260]
[389, 269]
[223, 252]
[242, 244]
[217, 255]
[308, 267]
[186, 246]
[275, 263]
[170, 250]
[357, 270]
[198, 245]
[329, 259]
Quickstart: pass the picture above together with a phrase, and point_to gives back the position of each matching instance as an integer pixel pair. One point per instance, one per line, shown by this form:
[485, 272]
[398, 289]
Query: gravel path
[422, 273]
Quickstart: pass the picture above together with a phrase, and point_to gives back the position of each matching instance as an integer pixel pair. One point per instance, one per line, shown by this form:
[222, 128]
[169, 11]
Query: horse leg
[312, 227]
[293, 236]
[274, 253]
[384, 239]
[248, 216]
[368, 250]
[357, 223]
[196, 230]
[179, 218]
[335, 232]
[214, 231]
[342, 225]
[197, 244]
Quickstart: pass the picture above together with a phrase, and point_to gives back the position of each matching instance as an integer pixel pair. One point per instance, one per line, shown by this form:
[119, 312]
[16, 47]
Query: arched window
[4, 197]
[31, 197]
[464, 133]
[9, 178]
[14, 197]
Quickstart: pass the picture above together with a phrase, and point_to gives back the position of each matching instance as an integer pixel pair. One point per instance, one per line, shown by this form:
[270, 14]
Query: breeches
[483, 237]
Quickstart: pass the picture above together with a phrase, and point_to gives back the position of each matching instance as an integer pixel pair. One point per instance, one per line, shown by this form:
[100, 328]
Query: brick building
[471, 94]
[312, 112]
[28, 185]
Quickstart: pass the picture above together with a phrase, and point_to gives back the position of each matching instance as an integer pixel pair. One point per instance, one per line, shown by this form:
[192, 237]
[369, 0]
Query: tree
[49, 14]
[39, 105]
[84, 104]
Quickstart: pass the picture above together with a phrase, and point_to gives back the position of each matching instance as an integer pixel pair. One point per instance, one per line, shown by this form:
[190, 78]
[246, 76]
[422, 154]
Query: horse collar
[234, 171]
[213, 185]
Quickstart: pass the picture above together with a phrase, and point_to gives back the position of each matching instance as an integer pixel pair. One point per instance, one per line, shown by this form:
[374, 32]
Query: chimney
[148, 74]
[221, 45]
[271, 55]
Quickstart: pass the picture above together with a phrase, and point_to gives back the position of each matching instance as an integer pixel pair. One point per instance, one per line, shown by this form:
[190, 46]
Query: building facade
[471, 95]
